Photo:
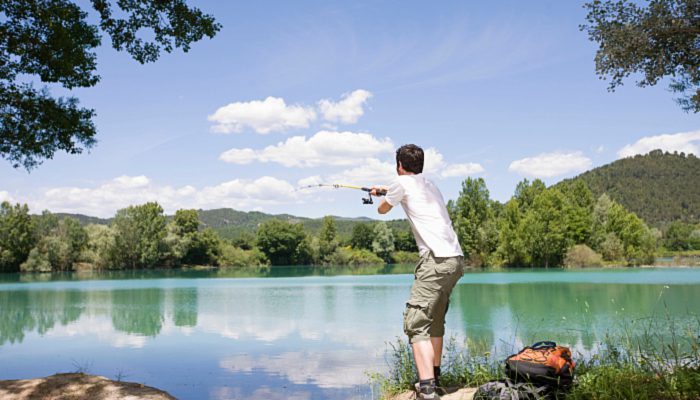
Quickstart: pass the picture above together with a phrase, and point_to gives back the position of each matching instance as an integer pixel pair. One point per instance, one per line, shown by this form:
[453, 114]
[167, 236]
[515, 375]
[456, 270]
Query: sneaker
[427, 393]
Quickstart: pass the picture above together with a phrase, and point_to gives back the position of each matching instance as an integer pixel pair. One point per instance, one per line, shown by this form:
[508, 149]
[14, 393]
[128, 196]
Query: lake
[301, 333]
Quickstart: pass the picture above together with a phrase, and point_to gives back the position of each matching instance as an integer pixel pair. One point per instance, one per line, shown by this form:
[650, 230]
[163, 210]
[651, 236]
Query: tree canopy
[657, 41]
[53, 42]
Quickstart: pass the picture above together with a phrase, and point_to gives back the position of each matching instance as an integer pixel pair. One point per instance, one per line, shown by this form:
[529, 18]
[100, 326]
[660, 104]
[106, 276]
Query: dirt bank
[461, 394]
[75, 386]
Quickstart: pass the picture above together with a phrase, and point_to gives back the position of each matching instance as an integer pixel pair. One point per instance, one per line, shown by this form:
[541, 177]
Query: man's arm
[384, 206]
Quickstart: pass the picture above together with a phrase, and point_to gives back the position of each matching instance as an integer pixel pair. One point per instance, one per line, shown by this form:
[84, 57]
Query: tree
[544, 227]
[52, 41]
[186, 221]
[579, 215]
[204, 248]
[678, 236]
[657, 41]
[139, 235]
[327, 238]
[469, 214]
[362, 236]
[511, 248]
[404, 240]
[383, 242]
[283, 243]
[526, 191]
[17, 236]
[59, 247]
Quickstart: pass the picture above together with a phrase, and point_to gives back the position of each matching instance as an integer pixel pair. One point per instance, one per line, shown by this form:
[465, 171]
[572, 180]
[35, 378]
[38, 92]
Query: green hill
[230, 223]
[659, 187]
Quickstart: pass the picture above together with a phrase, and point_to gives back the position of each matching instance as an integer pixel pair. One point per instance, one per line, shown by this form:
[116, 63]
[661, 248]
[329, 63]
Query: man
[440, 267]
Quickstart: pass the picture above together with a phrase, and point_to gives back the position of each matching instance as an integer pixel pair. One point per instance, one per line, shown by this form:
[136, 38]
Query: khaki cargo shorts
[435, 277]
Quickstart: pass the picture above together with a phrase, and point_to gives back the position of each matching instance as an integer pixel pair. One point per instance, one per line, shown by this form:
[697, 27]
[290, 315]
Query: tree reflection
[138, 311]
[566, 313]
[25, 311]
[185, 306]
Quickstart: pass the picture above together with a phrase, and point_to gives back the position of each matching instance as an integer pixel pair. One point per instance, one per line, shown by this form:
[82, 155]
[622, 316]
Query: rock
[77, 386]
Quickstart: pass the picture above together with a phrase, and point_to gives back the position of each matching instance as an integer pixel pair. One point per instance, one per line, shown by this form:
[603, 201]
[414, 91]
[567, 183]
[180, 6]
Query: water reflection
[138, 311]
[311, 337]
[40, 311]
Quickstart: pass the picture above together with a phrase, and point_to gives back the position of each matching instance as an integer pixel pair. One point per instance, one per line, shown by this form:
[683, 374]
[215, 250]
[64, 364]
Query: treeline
[542, 227]
[538, 227]
[143, 237]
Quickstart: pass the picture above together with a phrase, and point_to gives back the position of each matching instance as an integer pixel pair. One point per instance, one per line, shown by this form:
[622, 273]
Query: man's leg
[437, 350]
[424, 356]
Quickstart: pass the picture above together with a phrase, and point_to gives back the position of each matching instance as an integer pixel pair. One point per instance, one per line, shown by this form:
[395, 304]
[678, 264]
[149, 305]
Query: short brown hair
[411, 158]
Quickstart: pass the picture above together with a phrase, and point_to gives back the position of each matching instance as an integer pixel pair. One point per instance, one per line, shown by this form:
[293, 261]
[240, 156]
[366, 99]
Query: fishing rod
[365, 200]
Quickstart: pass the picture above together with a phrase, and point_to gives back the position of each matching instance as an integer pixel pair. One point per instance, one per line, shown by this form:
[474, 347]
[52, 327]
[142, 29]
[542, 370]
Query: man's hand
[384, 207]
[378, 190]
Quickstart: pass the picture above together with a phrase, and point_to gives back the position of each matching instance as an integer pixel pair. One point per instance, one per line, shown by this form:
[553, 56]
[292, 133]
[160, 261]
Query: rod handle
[380, 192]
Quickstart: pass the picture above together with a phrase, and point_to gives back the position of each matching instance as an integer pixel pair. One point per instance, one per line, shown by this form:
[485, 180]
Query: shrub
[582, 256]
[353, 257]
[612, 248]
[232, 256]
[405, 257]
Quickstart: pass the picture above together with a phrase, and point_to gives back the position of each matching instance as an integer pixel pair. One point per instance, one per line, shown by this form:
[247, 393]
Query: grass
[657, 358]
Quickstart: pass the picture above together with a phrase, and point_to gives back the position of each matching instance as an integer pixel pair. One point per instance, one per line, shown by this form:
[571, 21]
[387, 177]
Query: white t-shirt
[426, 211]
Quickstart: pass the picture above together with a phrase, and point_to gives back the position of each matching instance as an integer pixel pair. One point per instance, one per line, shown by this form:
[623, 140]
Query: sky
[295, 93]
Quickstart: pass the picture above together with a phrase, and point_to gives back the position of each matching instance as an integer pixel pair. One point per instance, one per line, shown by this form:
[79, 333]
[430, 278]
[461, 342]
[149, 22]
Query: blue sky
[290, 93]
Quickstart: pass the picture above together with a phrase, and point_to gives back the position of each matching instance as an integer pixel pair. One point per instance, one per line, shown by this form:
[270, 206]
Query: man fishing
[440, 267]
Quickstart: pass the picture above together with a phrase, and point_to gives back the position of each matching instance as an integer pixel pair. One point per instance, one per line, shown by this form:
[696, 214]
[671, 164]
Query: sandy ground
[75, 386]
[461, 394]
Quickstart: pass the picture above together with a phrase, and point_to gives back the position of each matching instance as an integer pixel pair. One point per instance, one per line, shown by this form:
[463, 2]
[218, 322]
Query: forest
[564, 225]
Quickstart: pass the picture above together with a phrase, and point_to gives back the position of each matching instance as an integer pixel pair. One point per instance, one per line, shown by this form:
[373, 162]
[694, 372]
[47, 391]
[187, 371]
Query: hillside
[659, 187]
[230, 223]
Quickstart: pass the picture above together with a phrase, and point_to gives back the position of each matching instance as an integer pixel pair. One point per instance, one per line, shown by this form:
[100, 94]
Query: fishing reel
[368, 199]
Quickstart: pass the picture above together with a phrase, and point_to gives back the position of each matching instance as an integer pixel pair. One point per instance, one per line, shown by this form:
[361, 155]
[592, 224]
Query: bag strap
[543, 345]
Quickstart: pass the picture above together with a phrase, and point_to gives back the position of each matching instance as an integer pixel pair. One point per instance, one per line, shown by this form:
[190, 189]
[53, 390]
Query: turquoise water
[299, 332]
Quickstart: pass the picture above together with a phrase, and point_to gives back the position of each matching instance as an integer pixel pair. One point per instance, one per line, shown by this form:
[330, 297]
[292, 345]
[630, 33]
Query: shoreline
[78, 386]
[691, 262]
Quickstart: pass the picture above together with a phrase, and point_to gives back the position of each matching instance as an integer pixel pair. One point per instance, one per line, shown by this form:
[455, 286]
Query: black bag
[542, 364]
[505, 389]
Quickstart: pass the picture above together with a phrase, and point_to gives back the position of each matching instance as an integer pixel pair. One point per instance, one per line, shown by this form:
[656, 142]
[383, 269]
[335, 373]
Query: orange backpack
[543, 363]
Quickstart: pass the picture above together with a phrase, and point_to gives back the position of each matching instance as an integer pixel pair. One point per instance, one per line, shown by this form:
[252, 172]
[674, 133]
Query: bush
[99, 251]
[582, 256]
[232, 256]
[612, 248]
[405, 257]
[353, 257]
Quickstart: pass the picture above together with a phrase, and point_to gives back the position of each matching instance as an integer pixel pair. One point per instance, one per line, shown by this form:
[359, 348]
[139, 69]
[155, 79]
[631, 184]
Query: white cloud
[105, 199]
[347, 110]
[547, 165]
[376, 172]
[461, 170]
[239, 156]
[686, 142]
[323, 148]
[433, 161]
[370, 172]
[329, 369]
[311, 180]
[5, 196]
[269, 115]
